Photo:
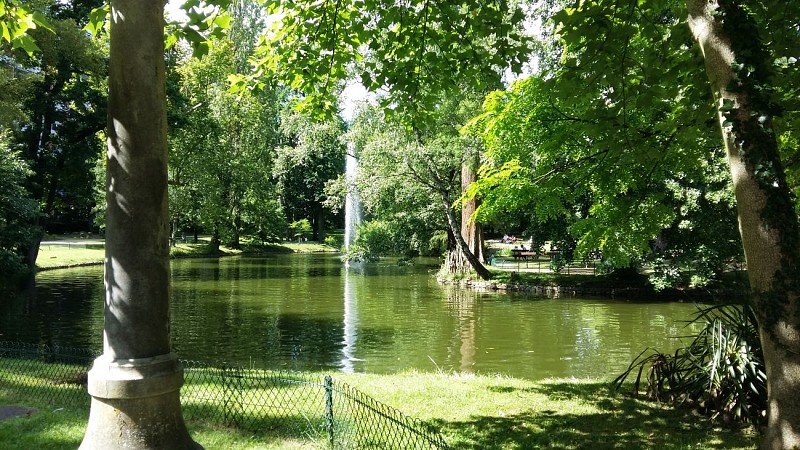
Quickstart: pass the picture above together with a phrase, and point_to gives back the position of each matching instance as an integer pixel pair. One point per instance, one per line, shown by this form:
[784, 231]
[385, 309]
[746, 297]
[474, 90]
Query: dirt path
[7, 412]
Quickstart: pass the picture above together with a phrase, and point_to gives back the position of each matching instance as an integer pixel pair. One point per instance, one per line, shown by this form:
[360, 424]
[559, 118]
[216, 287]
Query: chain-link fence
[288, 404]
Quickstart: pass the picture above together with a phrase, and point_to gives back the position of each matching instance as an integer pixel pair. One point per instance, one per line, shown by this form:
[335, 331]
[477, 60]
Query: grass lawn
[472, 412]
[56, 256]
[70, 253]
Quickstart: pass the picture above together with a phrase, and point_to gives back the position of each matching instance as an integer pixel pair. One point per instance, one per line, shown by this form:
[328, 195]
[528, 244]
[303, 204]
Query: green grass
[70, 254]
[55, 256]
[483, 412]
[472, 412]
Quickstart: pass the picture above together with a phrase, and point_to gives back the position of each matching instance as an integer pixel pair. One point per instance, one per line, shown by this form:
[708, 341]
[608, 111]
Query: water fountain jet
[352, 204]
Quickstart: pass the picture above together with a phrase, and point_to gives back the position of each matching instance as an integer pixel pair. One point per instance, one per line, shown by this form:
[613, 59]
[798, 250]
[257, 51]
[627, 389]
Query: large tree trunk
[462, 247]
[135, 384]
[319, 223]
[767, 221]
[471, 230]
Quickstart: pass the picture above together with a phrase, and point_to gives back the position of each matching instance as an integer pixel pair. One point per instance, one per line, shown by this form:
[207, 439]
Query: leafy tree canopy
[403, 49]
[18, 212]
[616, 145]
[16, 21]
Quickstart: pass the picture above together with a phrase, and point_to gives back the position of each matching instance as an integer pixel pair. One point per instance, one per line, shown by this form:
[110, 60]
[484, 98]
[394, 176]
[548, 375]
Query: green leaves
[205, 22]
[412, 50]
[15, 23]
[98, 20]
[594, 143]
[18, 211]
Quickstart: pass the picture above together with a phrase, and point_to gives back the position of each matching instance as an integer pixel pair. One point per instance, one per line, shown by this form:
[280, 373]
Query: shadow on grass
[620, 422]
[48, 428]
[64, 428]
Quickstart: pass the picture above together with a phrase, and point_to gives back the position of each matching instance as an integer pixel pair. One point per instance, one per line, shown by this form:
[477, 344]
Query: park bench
[523, 254]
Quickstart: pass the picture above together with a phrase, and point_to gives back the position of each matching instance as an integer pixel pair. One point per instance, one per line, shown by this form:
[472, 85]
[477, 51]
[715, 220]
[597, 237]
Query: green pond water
[310, 312]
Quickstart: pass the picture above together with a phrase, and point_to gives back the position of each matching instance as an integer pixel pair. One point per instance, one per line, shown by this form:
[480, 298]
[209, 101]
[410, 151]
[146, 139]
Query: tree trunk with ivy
[738, 69]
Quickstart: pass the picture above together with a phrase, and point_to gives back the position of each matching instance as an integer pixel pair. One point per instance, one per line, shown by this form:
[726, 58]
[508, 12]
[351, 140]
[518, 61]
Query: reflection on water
[350, 319]
[461, 304]
[310, 312]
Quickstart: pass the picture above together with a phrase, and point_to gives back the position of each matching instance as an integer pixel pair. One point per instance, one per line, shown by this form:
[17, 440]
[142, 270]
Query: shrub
[335, 241]
[721, 373]
[300, 229]
[666, 274]
[557, 262]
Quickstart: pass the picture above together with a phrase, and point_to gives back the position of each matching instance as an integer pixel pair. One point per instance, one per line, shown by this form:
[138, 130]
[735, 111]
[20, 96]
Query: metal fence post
[329, 408]
[226, 395]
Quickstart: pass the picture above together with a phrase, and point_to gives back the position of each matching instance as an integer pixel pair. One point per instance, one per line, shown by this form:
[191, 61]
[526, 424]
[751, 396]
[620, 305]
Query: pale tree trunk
[471, 235]
[135, 383]
[462, 249]
[471, 231]
[767, 221]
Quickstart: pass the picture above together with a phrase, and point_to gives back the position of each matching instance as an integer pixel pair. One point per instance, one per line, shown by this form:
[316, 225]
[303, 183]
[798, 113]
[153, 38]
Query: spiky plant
[721, 373]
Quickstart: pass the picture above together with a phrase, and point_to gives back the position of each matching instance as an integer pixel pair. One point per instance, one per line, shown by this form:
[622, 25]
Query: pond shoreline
[548, 289]
[612, 292]
[84, 256]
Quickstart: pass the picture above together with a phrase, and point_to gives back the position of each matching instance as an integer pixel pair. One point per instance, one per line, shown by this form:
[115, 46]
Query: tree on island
[410, 179]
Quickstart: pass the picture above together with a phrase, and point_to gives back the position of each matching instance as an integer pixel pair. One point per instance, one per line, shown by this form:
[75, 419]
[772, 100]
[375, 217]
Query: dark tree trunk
[236, 225]
[319, 223]
[767, 221]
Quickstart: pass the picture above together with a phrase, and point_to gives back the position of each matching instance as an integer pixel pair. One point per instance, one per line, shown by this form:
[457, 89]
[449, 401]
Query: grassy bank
[55, 254]
[472, 412]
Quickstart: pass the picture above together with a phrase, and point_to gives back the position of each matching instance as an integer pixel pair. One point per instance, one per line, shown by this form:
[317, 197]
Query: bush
[300, 229]
[376, 238]
[721, 373]
[18, 213]
[357, 253]
[557, 262]
[665, 275]
[334, 241]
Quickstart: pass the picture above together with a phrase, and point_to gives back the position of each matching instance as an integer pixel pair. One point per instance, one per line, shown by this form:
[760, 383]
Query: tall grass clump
[721, 373]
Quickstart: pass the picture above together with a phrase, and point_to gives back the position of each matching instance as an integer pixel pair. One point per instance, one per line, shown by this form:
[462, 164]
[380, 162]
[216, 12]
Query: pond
[309, 312]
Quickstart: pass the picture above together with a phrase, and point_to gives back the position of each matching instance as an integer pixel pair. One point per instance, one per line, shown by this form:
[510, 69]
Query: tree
[414, 51]
[16, 21]
[300, 229]
[471, 230]
[402, 49]
[417, 173]
[18, 212]
[222, 152]
[613, 45]
[401, 217]
[314, 157]
[738, 67]
[135, 384]
[60, 103]
[571, 163]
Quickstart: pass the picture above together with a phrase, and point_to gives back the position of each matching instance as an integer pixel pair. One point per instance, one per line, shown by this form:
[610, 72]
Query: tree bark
[319, 223]
[135, 384]
[767, 222]
[471, 230]
[455, 231]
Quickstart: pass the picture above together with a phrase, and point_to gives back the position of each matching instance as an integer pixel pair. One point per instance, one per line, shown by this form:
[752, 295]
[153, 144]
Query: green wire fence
[312, 407]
